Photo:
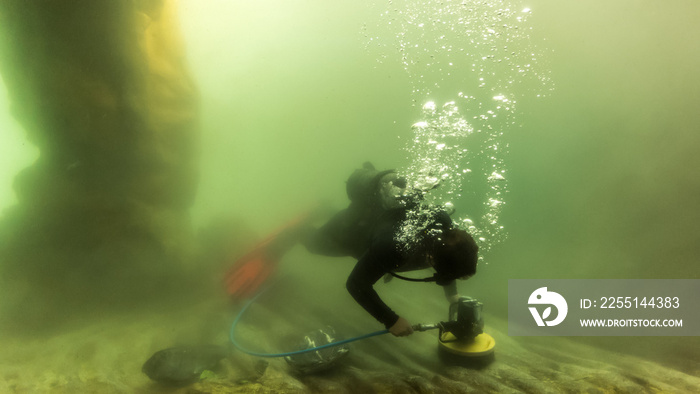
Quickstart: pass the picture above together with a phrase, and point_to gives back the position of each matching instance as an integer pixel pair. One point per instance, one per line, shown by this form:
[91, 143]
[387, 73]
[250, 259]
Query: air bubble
[491, 63]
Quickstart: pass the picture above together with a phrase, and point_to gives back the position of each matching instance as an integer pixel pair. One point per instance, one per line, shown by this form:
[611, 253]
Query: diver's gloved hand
[401, 328]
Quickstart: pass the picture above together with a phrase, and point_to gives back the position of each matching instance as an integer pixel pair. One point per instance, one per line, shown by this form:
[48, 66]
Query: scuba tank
[368, 187]
[362, 186]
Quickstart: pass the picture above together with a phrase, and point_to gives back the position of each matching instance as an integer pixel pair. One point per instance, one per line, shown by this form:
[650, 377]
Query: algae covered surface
[106, 356]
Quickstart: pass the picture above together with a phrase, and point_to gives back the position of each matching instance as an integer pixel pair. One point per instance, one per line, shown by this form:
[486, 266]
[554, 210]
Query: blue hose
[232, 337]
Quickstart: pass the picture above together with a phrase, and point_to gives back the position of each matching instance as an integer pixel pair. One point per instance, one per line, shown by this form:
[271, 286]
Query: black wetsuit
[369, 235]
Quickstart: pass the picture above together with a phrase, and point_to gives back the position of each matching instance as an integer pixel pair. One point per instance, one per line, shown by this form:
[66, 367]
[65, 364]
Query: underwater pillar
[102, 88]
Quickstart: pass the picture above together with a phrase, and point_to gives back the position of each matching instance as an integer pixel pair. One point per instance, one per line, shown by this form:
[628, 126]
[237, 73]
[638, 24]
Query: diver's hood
[456, 258]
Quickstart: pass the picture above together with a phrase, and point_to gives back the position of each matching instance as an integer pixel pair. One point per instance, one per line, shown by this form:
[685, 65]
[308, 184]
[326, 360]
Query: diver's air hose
[232, 337]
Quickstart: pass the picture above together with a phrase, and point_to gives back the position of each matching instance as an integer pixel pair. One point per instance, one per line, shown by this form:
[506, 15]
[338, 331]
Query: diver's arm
[360, 285]
[328, 240]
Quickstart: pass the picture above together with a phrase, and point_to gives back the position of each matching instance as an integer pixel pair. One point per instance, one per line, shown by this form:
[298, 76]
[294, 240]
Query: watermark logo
[603, 307]
[543, 297]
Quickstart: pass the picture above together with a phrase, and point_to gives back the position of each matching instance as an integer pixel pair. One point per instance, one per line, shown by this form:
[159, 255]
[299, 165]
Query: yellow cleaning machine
[462, 337]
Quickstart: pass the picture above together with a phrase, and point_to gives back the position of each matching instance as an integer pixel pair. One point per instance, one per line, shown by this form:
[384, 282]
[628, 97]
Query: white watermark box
[603, 307]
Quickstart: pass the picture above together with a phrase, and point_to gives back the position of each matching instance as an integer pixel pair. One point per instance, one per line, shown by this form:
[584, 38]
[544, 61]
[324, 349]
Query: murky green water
[599, 170]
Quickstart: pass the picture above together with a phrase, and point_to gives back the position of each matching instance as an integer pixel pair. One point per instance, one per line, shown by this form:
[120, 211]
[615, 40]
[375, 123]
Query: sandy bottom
[105, 355]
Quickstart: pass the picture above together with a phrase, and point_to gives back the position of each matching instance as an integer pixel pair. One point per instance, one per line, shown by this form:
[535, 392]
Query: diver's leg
[331, 238]
[315, 240]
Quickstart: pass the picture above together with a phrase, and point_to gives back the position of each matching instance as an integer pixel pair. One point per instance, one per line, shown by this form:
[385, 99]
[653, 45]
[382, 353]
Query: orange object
[251, 270]
[248, 273]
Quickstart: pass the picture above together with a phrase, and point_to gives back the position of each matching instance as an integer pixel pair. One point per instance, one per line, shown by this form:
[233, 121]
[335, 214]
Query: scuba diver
[370, 229]
[388, 228]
